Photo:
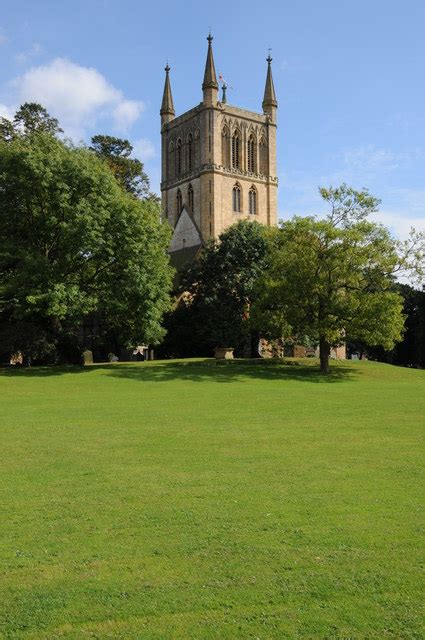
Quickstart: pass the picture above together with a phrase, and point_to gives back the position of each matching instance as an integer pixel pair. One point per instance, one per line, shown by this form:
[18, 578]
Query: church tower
[218, 164]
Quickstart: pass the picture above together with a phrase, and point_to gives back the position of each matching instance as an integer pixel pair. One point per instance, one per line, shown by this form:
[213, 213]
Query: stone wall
[211, 181]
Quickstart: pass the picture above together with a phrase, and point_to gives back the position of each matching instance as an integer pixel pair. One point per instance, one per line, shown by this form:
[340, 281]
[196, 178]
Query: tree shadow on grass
[210, 370]
[207, 370]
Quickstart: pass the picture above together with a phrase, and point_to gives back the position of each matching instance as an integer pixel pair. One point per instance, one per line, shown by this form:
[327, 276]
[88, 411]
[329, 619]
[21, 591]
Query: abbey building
[218, 164]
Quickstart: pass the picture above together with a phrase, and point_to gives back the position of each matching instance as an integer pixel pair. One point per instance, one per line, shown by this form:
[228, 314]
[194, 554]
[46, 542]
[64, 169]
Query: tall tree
[332, 277]
[30, 118]
[218, 293]
[73, 242]
[411, 350]
[128, 171]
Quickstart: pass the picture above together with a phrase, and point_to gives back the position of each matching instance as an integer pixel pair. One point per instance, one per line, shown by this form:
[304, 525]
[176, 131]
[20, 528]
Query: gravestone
[223, 353]
[87, 357]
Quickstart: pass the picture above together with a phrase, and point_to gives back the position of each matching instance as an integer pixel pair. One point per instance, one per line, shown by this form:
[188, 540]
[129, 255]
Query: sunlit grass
[190, 499]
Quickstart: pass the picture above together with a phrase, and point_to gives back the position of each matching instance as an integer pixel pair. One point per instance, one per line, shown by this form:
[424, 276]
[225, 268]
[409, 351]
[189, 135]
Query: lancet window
[252, 196]
[264, 157]
[251, 153]
[190, 152]
[236, 198]
[179, 202]
[179, 159]
[225, 148]
[236, 150]
[171, 167]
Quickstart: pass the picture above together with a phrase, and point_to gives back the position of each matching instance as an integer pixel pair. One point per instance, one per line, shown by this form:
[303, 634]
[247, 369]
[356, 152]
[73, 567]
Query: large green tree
[218, 289]
[333, 277]
[411, 350]
[129, 172]
[73, 242]
[30, 118]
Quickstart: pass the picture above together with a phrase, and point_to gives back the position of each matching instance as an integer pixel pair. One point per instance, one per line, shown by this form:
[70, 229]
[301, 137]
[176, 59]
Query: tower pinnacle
[210, 84]
[167, 107]
[269, 100]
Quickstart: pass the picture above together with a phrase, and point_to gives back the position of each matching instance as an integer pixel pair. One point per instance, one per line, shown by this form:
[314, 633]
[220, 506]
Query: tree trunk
[324, 350]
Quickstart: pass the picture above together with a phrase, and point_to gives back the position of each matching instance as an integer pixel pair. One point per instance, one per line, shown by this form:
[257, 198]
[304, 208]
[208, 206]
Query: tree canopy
[73, 242]
[128, 171]
[30, 118]
[332, 278]
[218, 290]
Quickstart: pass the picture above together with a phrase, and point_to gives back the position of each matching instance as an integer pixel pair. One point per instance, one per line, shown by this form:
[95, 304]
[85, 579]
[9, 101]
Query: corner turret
[167, 107]
[269, 100]
[210, 84]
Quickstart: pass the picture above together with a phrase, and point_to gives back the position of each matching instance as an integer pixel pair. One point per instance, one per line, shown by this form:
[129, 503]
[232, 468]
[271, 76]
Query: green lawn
[189, 499]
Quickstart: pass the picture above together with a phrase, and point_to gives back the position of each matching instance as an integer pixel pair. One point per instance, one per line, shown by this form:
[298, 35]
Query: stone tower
[218, 164]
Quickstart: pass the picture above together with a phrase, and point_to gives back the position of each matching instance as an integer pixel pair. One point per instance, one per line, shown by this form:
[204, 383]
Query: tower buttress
[269, 100]
[210, 84]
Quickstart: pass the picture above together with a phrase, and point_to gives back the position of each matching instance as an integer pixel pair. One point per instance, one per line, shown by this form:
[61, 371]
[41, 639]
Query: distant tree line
[410, 351]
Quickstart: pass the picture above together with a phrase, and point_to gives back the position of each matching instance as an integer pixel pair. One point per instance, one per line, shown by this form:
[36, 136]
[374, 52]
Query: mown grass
[188, 499]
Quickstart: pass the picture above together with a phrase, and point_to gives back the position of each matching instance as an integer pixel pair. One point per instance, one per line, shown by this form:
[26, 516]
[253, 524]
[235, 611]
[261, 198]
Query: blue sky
[349, 77]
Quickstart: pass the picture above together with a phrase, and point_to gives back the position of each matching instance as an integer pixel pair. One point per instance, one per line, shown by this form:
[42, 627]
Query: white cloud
[399, 223]
[144, 149]
[126, 113]
[412, 200]
[371, 158]
[402, 208]
[3, 37]
[6, 112]
[78, 96]
[25, 56]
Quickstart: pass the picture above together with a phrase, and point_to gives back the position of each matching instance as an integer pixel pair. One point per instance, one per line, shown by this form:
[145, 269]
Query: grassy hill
[189, 499]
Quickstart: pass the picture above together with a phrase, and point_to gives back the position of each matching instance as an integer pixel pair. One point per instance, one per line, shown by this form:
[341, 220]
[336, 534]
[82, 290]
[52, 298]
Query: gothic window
[236, 198]
[236, 150]
[179, 164]
[252, 201]
[190, 152]
[179, 202]
[264, 157]
[225, 148]
[171, 160]
[190, 197]
[251, 153]
[196, 159]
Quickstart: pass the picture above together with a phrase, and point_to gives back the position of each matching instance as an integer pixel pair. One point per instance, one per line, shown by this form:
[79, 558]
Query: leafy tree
[218, 289]
[128, 171]
[30, 118]
[33, 118]
[72, 242]
[332, 277]
[411, 350]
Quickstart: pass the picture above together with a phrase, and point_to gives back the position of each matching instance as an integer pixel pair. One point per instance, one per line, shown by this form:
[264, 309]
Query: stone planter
[223, 353]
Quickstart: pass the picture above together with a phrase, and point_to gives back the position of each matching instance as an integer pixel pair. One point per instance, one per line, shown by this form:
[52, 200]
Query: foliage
[411, 350]
[218, 293]
[332, 277]
[192, 500]
[128, 171]
[30, 118]
[72, 242]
